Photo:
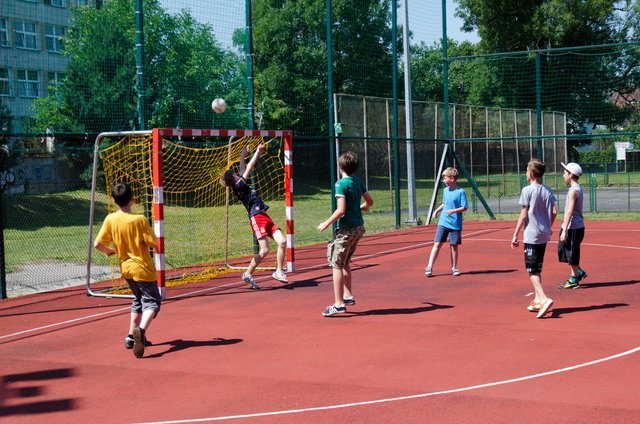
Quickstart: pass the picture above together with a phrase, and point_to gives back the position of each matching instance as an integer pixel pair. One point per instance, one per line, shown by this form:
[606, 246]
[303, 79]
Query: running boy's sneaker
[350, 301]
[569, 285]
[428, 271]
[280, 276]
[129, 341]
[455, 271]
[249, 280]
[139, 342]
[332, 310]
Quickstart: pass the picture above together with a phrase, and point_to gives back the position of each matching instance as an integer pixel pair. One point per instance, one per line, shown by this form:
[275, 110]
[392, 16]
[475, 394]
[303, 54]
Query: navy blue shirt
[249, 198]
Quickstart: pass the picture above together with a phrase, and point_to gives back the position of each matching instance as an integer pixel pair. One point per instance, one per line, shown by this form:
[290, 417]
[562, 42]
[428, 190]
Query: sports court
[443, 349]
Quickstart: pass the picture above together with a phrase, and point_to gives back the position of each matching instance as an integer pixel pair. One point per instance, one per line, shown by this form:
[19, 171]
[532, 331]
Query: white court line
[409, 397]
[354, 404]
[383, 252]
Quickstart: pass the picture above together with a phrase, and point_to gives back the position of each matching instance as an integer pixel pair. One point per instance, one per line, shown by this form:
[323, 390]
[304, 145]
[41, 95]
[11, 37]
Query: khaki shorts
[341, 248]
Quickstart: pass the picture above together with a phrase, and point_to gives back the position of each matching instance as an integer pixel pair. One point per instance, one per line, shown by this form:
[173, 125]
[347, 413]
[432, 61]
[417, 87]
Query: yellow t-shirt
[132, 236]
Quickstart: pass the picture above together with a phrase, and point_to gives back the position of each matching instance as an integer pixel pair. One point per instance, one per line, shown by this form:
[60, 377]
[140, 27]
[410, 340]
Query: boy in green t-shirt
[350, 229]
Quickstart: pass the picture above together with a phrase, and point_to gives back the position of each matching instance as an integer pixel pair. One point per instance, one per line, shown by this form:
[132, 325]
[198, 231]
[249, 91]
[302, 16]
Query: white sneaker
[280, 276]
[544, 307]
[428, 271]
[455, 271]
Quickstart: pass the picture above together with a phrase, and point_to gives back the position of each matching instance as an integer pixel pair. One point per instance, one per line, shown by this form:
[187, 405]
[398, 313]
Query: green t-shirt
[351, 188]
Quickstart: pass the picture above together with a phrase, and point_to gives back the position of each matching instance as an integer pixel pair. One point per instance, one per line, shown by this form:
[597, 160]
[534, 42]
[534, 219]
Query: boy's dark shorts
[455, 236]
[534, 257]
[146, 296]
[569, 250]
[341, 248]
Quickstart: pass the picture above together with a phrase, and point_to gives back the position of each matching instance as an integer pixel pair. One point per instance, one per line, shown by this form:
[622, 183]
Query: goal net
[202, 229]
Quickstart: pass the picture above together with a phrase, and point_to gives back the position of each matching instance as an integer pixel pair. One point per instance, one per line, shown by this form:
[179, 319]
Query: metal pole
[140, 81]
[394, 77]
[408, 109]
[249, 53]
[332, 150]
[3, 272]
[539, 103]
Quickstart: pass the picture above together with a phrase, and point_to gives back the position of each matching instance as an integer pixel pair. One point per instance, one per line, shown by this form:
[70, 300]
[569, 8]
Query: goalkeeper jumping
[262, 225]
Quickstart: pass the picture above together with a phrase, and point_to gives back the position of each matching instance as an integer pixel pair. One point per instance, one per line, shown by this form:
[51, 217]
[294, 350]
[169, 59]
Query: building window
[54, 36]
[82, 2]
[26, 35]
[5, 82]
[57, 3]
[4, 33]
[55, 79]
[28, 83]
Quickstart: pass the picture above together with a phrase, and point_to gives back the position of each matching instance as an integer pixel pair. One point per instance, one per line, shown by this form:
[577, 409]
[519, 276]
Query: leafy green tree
[185, 68]
[580, 85]
[291, 57]
[468, 82]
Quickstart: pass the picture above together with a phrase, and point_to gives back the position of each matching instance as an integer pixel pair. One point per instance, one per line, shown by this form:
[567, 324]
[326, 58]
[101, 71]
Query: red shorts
[263, 226]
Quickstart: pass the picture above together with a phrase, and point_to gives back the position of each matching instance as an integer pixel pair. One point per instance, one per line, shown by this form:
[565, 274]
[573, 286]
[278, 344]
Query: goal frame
[157, 135]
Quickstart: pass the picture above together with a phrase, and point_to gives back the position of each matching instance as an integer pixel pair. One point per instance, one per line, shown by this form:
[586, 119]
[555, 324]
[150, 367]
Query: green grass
[54, 227]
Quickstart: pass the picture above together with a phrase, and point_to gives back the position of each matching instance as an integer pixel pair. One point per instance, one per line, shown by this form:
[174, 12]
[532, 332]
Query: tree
[517, 25]
[185, 68]
[468, 83]
[291, 57]
[580, 85]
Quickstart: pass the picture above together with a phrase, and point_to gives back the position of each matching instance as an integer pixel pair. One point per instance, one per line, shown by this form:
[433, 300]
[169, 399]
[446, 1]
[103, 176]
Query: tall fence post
[140, 80]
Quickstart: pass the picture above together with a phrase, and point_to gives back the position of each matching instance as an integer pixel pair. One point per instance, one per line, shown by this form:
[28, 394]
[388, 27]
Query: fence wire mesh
[70, 69]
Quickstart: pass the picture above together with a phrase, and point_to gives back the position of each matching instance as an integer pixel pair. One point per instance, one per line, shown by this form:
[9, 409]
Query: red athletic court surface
[412, 350]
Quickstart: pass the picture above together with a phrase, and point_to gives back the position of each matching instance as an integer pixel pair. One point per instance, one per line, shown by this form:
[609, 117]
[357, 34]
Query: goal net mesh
[206, 229]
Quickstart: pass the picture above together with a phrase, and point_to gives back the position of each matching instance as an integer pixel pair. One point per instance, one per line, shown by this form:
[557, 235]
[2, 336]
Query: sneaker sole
[138, 343]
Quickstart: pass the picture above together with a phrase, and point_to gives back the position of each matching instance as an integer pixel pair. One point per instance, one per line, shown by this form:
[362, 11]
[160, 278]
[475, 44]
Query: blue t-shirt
[352, 189]
[453, 199]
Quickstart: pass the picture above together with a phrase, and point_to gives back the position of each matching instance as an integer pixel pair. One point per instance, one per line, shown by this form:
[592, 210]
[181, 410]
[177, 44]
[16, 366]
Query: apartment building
[31, 60]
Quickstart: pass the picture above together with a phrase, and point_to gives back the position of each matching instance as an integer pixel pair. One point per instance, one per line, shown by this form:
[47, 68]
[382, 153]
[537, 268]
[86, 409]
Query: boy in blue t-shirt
[454, 202]
[349, 190]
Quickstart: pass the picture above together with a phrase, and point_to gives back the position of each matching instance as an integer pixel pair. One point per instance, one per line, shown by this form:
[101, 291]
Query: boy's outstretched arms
[252, 163]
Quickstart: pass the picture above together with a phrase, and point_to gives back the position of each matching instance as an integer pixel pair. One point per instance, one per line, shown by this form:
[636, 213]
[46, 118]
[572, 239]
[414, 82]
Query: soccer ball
[218, 105]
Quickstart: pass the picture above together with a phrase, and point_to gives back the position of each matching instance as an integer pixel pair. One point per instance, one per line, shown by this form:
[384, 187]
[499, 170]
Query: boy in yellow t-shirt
[132, 237]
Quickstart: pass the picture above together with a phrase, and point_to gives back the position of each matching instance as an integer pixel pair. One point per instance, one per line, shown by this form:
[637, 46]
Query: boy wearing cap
[572, 229]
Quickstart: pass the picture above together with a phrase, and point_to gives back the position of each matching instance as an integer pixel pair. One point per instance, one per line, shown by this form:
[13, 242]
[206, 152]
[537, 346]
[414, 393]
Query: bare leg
[454, 256]
[263, 244]
[279, 238]
[346, 281]
[434, 253]
[136, 318]
[536, 281]
[574, 270]
[338, 287]
[147, 317]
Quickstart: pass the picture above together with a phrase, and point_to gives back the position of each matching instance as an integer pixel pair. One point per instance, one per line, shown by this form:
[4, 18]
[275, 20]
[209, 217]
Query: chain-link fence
[71, 69]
